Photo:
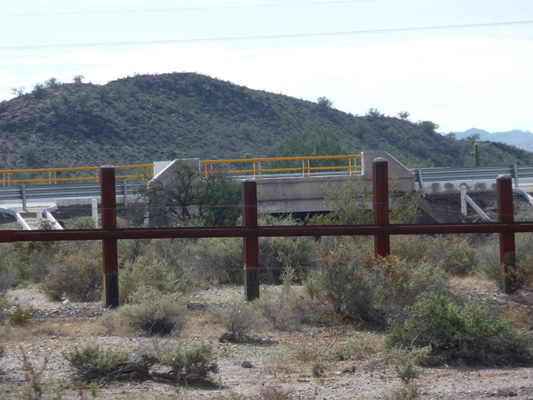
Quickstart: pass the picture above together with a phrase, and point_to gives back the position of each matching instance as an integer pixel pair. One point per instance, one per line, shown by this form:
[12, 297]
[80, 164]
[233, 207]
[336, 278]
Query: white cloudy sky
[459, 63]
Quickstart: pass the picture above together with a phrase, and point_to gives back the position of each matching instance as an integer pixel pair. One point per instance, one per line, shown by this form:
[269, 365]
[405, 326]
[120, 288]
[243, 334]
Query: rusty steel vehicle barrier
[250, 231]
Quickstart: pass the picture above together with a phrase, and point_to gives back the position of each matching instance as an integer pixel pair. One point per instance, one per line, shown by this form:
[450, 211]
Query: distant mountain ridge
[516, 137]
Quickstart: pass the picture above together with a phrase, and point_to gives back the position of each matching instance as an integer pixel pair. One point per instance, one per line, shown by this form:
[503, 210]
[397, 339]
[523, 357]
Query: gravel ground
[277, 359]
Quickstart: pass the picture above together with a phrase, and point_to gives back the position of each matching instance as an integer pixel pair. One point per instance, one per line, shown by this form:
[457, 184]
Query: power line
[185, 9]
[264, 37]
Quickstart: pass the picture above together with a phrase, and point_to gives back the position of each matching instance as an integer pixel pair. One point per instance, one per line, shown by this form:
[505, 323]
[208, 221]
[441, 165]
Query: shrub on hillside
[469, 332]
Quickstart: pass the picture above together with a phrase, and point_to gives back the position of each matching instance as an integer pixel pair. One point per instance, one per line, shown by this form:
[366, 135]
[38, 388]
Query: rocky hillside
[145, 118]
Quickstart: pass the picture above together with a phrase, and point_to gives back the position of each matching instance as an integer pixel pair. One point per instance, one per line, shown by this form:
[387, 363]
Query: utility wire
[315, 3]
[264, 37]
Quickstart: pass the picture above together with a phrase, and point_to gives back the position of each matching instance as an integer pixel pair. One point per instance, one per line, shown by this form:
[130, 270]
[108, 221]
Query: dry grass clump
[154, 313]
[239, 319]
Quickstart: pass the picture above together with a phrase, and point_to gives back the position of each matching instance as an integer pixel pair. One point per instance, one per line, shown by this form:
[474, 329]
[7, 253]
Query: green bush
[406, 362]
[154, 313]
[20, 315]
[470, 332]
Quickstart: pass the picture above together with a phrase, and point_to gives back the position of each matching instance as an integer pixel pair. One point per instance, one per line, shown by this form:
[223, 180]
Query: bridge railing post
[250, 244]
[504, 189]
[380, 180]
[109, 246]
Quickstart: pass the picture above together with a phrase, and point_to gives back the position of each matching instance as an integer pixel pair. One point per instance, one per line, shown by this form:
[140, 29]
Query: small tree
[428, 126]
[373, 114]
[18, 91]
[324, 103]
[39, 91]
[403, 115]
[77, 79]
[51, 83]
[216, 201]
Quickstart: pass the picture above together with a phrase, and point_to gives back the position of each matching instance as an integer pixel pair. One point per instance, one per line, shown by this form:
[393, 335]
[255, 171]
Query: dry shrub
[194, 364]
[77, 274]
[363, 345]
[221, 258]
[239, 319]
[161, 264]
[274, 393]
[93, 363]
[154, 313]
[363, 289]
[408, 391]
[13, 267]
[286, 309]
[489, 256]
[452, 253]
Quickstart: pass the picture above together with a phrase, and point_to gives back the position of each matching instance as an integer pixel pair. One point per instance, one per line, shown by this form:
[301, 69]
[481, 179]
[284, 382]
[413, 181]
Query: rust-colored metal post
[250, 244]
[109, 246]
[504, 189]
[380, 177]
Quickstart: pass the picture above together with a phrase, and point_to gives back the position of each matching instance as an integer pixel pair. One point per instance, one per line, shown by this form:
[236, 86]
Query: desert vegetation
[416, 309]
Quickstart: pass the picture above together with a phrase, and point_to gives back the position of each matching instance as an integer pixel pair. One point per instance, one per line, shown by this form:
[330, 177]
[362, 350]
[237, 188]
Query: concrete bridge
[290, 194]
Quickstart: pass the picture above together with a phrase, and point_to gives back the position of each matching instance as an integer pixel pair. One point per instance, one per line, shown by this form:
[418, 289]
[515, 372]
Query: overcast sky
[459, 63]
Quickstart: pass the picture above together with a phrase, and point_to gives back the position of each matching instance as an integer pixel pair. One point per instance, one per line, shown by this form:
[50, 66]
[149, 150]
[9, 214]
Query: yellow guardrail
[256, 166]
[142, 171]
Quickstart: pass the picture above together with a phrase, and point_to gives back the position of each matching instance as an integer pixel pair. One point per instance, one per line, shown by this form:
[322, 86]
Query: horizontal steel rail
[7, 236]
[255, 167]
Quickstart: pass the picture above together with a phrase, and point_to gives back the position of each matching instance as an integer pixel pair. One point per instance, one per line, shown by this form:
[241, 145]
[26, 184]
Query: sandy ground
[281, 362]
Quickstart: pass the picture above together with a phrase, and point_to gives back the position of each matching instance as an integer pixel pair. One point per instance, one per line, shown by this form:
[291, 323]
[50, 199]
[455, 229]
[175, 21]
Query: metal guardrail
[429, 175]
[32, 192]
[49, 175]
[257, 167]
